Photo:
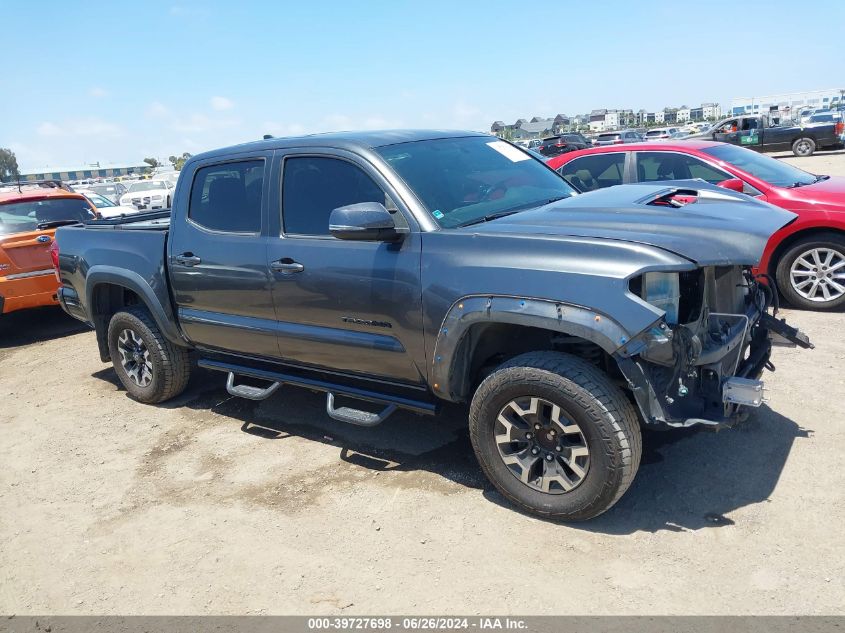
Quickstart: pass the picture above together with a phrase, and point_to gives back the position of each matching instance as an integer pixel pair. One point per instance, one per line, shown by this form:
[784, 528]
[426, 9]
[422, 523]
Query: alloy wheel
[819, 274]
[540, 446]
[135, 357]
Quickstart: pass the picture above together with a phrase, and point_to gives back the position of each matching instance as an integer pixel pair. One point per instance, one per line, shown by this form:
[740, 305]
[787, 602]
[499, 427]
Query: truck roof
[341, 140]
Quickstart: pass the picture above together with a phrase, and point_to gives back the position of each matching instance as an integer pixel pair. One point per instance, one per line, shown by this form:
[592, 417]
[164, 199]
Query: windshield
[761, 166]
[17, 217]
[147, 185]
[464, 180]
[655, 132]
[609, 137]
[105, 190]
[98, 200]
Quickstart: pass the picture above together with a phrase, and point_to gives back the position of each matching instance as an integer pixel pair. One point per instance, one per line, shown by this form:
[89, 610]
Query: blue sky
[121, 81]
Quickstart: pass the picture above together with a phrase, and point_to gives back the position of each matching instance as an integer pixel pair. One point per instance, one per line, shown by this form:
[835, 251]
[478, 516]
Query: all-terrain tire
[804, 146]
[586, 396]
[824, 243]
[170, 364]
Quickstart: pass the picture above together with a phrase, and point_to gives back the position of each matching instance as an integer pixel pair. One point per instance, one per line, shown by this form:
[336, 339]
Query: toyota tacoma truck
[405, 269]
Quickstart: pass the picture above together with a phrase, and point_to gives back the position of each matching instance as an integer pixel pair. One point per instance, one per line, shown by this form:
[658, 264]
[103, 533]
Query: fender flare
[541, 313]
[162, 313]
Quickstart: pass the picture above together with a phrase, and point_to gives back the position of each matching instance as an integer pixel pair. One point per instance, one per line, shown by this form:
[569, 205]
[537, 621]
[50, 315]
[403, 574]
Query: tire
[795, 277]
[608, 427]
[160, 370]
[804, 146]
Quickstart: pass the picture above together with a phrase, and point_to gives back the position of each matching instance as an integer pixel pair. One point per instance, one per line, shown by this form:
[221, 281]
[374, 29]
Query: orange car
[29, 215]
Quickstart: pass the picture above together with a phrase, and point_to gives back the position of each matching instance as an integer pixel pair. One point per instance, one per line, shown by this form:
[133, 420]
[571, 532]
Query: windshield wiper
[51, 224]
[820, 178]
[487, 218]
[795, 185]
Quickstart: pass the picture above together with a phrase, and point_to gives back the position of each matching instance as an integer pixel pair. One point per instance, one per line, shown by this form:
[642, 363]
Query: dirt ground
[217, 505]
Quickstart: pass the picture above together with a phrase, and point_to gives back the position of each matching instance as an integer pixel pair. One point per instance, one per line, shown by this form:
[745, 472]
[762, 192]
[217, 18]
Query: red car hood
[829, 192]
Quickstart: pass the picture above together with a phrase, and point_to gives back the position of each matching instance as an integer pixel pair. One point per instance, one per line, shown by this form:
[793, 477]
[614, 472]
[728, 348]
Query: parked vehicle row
[409, 269]
[805, 258]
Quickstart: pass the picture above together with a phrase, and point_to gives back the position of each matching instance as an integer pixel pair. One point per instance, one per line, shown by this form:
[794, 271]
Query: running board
[356, 416]
[335, 389]
[249, 392]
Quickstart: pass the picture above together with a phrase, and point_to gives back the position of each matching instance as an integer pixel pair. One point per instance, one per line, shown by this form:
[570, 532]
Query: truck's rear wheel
[804, 146]
[151, 368]
[555, 435]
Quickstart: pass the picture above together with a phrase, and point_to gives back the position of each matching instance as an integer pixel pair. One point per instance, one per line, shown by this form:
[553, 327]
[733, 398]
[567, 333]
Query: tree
[8, 165]
[152, 162]
[179, 161]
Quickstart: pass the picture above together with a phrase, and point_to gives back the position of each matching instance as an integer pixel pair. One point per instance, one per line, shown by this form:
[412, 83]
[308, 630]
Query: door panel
[218, 258]
[345, 305]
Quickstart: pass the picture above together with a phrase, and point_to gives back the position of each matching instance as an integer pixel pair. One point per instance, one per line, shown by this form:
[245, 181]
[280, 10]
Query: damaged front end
[701, 363]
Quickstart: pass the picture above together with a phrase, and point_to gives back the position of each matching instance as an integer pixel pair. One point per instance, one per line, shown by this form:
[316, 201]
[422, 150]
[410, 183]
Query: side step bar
[357, 416]
[344, 414]
[249, 392]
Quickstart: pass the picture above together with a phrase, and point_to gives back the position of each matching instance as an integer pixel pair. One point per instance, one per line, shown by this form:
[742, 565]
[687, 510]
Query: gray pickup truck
[407, 269]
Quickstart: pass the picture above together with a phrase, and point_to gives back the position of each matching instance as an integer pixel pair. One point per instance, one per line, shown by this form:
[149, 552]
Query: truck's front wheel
[555, 435]
[150, 367]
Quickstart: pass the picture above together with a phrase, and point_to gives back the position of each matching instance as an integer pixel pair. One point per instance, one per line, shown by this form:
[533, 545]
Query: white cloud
[199, 122]
[157, 109]
[88, 127]
[48, 129]
[98, 93]
[221, 103]
[283, 129]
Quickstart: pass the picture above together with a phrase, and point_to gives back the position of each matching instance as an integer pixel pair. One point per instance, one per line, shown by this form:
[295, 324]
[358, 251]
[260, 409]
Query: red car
[806, 258]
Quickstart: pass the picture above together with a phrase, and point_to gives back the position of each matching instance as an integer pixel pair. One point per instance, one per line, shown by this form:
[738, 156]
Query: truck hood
[720, 227]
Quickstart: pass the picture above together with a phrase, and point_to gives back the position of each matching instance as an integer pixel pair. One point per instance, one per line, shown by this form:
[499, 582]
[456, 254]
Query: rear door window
[657, 166]
[227, 197]
[595, 171]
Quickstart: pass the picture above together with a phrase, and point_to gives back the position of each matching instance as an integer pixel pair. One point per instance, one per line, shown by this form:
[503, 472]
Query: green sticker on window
[438, 214]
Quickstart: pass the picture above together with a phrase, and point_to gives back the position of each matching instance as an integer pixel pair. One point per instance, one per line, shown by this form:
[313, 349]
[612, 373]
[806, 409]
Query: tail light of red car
[54, 257]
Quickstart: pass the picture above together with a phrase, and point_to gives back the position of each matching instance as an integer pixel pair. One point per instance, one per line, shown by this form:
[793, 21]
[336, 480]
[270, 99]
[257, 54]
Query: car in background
[110, 190]
[563, 143]
[29, 215]
[825, 117]
[806, 258]
[105, 207]
[148, 194]
[660, 133]
[617, 138]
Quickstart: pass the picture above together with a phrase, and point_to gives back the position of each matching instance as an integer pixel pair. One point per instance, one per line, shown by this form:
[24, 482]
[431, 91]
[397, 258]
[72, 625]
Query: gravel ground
[218, 505]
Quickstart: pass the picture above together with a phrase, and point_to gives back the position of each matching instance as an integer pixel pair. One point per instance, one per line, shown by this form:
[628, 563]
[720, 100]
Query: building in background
[95, 170]
[603, 119]
[789, 104]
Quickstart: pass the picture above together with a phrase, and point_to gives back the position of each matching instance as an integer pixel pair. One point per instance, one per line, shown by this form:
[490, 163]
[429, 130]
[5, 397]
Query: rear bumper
[28, 290]
[69, 300]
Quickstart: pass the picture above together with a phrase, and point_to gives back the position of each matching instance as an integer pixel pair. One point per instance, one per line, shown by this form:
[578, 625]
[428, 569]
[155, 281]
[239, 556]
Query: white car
[148, 194]
[105, 207]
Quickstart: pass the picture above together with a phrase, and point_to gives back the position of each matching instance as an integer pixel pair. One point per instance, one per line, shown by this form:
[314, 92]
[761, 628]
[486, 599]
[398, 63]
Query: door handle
[187, 259]
[287, 266]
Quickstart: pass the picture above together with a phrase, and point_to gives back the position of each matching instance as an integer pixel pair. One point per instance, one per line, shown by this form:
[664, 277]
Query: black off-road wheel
[804, 146]
[555, 436]
[151, 368]
[811, 274]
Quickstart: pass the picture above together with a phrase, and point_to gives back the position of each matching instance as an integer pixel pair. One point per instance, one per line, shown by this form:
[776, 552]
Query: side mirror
[365, 221]
[734, 184]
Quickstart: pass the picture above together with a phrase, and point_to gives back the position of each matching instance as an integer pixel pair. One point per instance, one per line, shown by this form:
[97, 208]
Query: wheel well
[485, 346]
[793, 239]
[106, 300]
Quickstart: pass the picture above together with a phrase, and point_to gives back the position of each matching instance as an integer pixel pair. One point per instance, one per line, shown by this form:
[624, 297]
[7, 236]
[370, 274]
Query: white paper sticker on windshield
[509, 151]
